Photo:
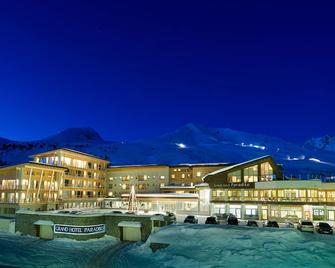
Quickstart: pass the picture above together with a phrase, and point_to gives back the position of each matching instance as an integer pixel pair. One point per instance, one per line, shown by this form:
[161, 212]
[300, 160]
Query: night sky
[134, 70]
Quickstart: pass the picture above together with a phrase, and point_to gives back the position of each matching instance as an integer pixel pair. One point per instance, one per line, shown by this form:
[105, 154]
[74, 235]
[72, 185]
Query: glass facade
[250, 174]
[234, 177]
[266, 172]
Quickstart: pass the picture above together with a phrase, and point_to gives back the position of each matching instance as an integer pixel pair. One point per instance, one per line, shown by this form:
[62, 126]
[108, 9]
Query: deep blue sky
[137, 69]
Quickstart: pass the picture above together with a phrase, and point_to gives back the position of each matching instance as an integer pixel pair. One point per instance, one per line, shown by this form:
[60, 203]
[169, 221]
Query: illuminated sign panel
[79, 230]
[234, 185]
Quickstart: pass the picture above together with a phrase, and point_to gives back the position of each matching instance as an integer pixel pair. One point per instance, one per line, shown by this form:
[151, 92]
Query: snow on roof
[72, 151]
[204, 184]
[144, 165]
[43, 222]
[177, 186]
[201, 164]
[157, 218]
[166, 195]
[130, 224]
[234, 166]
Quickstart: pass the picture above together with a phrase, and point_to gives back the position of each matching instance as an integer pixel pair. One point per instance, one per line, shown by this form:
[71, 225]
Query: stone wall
[25, 223]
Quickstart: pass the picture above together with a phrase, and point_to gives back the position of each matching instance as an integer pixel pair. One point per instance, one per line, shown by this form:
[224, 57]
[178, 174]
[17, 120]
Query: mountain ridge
[191, 143]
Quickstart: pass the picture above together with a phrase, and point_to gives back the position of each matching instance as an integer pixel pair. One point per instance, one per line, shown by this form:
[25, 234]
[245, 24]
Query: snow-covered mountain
[75, 135]
[326, 142]
[188, 144]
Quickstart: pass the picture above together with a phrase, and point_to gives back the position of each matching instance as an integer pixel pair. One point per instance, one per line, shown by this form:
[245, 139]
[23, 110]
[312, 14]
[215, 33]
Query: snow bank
[25, 251]
[227, 246]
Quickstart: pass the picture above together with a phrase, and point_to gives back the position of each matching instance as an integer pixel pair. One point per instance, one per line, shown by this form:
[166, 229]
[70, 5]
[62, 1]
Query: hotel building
[145, 178]
[55, 179]
[254, 189]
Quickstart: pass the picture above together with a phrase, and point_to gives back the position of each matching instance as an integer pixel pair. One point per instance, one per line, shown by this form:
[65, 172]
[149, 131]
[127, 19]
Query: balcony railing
[272, 199]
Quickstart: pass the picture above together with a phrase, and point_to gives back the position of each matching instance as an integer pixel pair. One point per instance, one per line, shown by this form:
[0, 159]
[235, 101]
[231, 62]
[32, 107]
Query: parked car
[63, 212]
[171, 216]
[291, 218]
[323, 228]
[232, 220]
[131, 212]
[74, 212]
[289, 224]
[116, 212]
[305, 226]
[222, 218]
[273, 224]
[191, 219]
[211, 220]
[252, 223]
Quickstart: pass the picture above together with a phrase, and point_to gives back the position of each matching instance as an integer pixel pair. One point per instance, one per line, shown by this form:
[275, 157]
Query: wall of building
[84, 180]
[146, 179]
[25, 223]
[191, 174]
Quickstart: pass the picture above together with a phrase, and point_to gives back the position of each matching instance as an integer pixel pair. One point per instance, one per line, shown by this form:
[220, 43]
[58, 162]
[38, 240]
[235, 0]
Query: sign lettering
[79, 230]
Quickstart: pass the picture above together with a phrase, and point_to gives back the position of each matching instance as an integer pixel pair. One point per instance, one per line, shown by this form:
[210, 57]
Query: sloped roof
[235, 166]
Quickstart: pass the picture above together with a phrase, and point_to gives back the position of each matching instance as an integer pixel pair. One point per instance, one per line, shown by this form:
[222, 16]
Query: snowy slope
[326, 142]
[188, 144]
[75, 135]
[210, 246]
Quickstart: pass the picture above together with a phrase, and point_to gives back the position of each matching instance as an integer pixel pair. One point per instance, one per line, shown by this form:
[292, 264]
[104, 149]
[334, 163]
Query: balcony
[272, 199]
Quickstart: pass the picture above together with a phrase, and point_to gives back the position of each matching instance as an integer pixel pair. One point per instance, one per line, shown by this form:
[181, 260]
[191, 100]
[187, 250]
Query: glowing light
[315, 160]
[181, 145]
[252, 145]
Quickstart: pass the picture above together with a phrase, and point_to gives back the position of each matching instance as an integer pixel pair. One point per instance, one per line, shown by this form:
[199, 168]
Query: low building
[256, 189]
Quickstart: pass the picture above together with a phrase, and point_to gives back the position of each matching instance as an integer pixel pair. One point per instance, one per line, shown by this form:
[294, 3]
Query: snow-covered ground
[229, 246]
[25, 251]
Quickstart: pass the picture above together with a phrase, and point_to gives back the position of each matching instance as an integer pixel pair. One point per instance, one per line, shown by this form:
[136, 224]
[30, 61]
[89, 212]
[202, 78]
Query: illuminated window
[162, 177]
[162, 184]
[198, 174]
[234, 176]
[266, 172]
[183, 176]
[124, 186]
[251, 174]
[173, 176]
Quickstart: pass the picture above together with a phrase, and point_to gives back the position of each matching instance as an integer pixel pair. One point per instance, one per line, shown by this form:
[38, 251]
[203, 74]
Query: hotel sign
[234, 185]
[79, 230]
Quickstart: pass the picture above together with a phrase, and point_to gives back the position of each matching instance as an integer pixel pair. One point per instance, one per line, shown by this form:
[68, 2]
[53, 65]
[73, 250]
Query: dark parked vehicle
[252, 223]
[232, 220]
[172, 217]
[211, 220]
[116, 212]
[305, 226]
[191, 219]
[63, 212]
[273, 224]
[324, 228]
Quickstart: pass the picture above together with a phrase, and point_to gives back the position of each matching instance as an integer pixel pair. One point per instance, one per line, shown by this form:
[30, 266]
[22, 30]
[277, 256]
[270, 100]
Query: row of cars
[231, 219]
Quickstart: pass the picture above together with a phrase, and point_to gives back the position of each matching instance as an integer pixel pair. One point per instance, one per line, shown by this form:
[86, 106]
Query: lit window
[183, 176]
[234, 176]
[162, 184]
[173, 176]
[162, 177]
[198, 174]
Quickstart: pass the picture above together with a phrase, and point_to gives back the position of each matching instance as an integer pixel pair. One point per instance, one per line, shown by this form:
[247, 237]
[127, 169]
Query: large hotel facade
[257, 189]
